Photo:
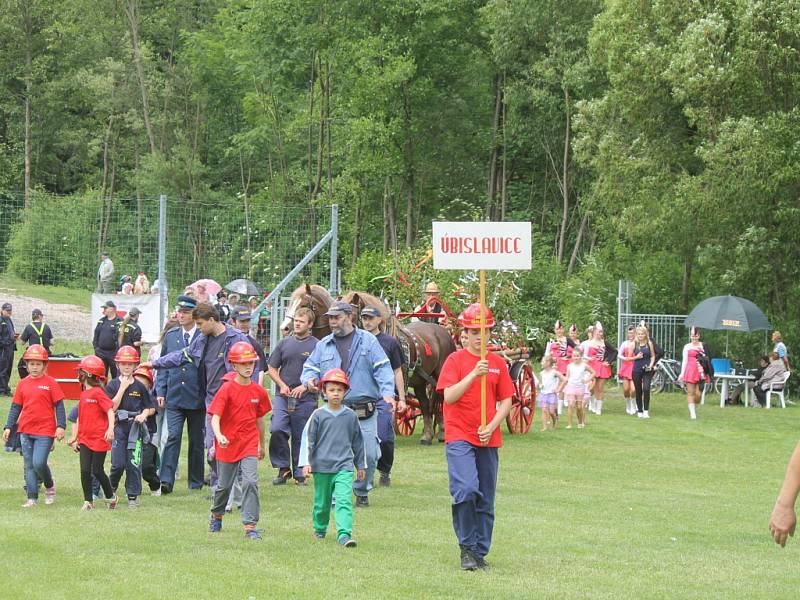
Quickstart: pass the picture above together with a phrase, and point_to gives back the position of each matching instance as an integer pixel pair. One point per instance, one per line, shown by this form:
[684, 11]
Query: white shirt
[575, 373]
[550, 381]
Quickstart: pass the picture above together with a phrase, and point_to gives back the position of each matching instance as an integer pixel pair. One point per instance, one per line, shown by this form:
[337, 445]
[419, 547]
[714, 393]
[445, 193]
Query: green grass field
[665, 508]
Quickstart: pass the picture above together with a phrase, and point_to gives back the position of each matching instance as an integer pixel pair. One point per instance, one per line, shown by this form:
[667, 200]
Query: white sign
[482, 245]
[149, 304]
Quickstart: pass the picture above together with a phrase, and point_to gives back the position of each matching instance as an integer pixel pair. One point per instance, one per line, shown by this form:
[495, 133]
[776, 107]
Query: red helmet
[93, 365]
[144, 372]
[242, 353]
[126, 354]
[471, 317]
[336, 376]
[36, 352]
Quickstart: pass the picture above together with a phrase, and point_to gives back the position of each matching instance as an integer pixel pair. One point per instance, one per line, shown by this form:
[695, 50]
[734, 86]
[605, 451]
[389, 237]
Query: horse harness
[416, 366]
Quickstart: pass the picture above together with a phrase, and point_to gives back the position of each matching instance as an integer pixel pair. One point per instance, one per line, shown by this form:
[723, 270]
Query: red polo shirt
[463, 418]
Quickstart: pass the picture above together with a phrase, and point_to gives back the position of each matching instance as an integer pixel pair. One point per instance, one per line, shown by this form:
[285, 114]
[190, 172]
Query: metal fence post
[162, 258]
[334, 287]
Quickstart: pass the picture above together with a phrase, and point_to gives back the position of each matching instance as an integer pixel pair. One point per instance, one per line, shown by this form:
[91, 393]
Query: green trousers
[325, 485]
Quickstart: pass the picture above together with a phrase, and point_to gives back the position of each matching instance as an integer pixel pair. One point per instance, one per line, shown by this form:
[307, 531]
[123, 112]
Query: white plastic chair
[778, 392]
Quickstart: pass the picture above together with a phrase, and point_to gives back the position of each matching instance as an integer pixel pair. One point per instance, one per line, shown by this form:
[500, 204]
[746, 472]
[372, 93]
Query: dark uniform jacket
[179, 385]
[7, 341]
[106, 333]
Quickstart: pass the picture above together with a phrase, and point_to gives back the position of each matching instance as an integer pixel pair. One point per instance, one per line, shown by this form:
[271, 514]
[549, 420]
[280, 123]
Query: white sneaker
[646, 414]
[155, 492]
[640, 415]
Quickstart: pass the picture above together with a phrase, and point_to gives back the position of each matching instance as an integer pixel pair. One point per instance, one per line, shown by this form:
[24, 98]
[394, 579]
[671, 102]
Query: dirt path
[67, 321]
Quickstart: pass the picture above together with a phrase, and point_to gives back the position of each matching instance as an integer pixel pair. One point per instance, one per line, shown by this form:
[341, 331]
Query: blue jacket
[371, 376]
[179, 385]
[194, 355]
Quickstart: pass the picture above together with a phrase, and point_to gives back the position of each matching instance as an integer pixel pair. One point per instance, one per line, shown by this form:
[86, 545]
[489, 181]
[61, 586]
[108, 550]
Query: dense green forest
[653, 140]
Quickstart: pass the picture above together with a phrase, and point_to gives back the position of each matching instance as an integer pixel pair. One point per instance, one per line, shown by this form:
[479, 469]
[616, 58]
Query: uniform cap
[242, 314]
[339, 307]
[36, 313]
[134, 312]
[35, 352]
[109, 304]
[370, 311]
[336, 376]
[6, 306]
[242, 353]
[186, 303]
[126, 354]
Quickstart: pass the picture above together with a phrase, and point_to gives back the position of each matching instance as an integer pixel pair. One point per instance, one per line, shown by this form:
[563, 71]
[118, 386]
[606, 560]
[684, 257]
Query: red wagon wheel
[406, 421]
[524, 401]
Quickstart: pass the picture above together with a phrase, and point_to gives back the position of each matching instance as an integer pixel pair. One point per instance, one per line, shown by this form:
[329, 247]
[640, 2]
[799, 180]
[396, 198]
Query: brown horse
[426, 346]
[318, 300]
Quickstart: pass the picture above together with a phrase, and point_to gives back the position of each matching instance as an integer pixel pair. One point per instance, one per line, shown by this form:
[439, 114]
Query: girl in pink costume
[599, 355]
[625, 372]
[692, 373]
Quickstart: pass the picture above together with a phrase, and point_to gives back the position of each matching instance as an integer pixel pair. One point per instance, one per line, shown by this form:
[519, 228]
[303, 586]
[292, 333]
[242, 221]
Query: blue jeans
[285, 424]
[195, 424]
[369, 431]
[472, 471]
[35, 450]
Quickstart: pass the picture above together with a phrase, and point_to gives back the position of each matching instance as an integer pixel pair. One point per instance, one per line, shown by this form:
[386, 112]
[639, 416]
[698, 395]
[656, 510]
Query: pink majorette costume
[595, 355]
[626, 366]
[560, 350]
[691, 371]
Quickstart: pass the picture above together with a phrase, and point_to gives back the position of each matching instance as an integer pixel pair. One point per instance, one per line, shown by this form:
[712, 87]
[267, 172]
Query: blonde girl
[625, 372]
[552, 384]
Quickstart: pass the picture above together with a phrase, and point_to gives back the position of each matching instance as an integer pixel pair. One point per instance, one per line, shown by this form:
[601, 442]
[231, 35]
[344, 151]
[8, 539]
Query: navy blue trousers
[386, 436]
[195, 423]
[472, 471]
[122, 462]
[287, 424]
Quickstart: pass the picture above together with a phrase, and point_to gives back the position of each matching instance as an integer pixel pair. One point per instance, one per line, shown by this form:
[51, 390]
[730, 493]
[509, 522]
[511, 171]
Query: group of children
[573, 375]
[120, 417]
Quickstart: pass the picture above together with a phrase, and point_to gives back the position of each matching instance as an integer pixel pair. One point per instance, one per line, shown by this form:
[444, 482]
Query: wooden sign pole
[482, 300]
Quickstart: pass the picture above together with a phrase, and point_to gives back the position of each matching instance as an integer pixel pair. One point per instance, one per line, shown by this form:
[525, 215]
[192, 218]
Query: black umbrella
[727, 312]
[243, 287]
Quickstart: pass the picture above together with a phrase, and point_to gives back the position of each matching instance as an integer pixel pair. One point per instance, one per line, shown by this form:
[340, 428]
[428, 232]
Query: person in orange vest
[471, 448]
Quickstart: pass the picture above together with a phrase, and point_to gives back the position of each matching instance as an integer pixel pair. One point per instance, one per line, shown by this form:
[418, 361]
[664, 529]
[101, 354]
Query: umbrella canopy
[212, 287]
[243, 287]
[727, 312]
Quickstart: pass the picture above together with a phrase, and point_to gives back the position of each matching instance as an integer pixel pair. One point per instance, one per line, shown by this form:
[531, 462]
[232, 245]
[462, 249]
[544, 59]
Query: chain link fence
[57, 240]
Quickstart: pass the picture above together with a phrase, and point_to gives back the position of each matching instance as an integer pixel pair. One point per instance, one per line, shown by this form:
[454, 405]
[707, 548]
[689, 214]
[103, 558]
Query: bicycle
[667, 372]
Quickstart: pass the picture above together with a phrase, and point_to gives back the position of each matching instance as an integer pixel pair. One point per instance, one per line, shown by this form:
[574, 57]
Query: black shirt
[343, 344]
[105, 334]
[37, 334]
[132, 333]
[135, 399]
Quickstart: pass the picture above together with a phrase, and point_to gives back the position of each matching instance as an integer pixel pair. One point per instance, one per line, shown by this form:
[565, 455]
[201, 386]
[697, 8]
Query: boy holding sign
[472, 447]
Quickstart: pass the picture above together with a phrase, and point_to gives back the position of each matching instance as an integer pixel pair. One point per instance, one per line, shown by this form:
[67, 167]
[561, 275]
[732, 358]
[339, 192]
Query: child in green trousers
[331, 448]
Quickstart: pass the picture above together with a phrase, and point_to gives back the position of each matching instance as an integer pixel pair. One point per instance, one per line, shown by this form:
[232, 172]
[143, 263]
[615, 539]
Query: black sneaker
[362, 501]
[385, 480]
[347, 541]
[482, 564]
[284, 475]
[469, 562]
[166, 488]
[300, 480]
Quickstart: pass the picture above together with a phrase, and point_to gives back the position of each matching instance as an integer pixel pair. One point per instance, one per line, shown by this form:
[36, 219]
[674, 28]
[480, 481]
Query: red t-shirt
[238, 407]
[463, 417]
[38, 398]
[93, 407]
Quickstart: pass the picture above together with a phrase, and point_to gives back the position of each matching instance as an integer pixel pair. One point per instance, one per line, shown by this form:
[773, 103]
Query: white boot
[640, 415]
[631, 407]
[558, 407]
[646, 414]
[599, 404]
[692, 411]
[591, 404]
